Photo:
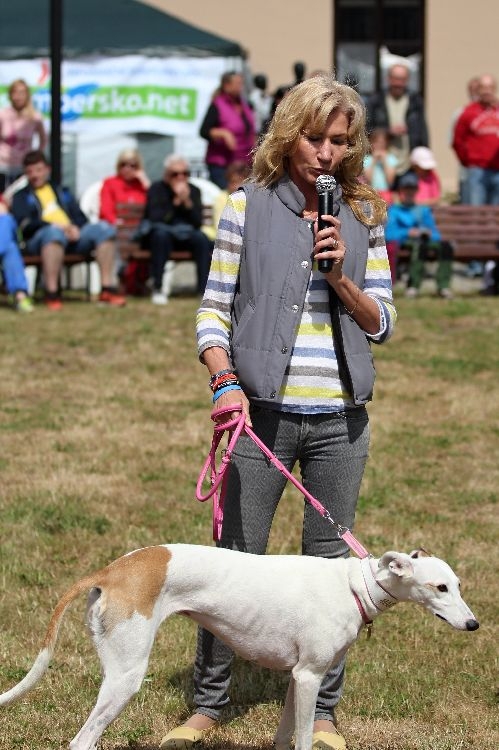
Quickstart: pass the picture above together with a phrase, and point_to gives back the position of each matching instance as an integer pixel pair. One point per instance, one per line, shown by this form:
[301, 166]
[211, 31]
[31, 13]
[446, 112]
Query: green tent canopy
[105, 28]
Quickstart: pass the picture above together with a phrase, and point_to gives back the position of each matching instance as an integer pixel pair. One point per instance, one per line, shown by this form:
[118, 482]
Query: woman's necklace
[309, 216]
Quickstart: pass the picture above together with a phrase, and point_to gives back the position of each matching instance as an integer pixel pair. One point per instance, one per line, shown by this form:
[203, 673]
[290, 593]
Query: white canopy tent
[137, 77]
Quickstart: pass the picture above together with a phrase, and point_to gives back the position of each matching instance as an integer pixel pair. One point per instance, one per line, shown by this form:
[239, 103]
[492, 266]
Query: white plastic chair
[90, 205]
[90, 201]
[209, 191]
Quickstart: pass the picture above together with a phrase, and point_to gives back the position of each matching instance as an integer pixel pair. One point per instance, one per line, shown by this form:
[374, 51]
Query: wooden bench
[473, 232]
[70, 260]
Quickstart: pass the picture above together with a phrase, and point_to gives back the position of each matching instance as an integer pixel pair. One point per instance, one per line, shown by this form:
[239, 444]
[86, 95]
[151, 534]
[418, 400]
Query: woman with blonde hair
[290, 346]
[128, 185]
[19, 123]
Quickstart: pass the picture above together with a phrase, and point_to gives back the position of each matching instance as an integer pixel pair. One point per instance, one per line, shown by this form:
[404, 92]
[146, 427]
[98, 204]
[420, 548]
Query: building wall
[275, 33]
[461, 41]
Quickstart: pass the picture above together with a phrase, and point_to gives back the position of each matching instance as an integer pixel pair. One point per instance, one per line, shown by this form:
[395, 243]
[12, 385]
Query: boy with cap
[413, 226]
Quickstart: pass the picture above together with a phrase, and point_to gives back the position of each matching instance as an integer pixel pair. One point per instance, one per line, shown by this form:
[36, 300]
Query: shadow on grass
[250, 686]
[212, 746]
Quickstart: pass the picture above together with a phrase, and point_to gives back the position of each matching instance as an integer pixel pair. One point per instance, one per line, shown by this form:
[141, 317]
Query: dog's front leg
[284, 734]
[307, 684]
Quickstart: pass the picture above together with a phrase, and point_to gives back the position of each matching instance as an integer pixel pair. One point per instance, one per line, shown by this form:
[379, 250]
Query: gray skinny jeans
[332, 450]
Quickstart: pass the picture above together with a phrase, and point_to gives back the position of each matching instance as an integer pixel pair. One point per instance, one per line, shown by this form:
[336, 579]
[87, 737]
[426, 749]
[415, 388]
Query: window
[371, 34]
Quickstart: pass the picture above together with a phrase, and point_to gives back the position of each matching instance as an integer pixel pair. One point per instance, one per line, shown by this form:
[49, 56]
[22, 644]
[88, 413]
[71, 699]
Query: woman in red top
[129, 185]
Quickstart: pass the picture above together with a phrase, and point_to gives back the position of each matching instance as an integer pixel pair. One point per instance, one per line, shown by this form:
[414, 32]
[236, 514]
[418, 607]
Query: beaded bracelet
[219, 374]
[226, 390]
[224, 384]
[221, 380]
[351, 312]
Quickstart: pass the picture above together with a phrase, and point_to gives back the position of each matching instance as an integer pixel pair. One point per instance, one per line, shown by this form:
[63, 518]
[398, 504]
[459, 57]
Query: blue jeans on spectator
[217, 175]
[483, 186]
[91, 235]
[10, 256]
[161, 241]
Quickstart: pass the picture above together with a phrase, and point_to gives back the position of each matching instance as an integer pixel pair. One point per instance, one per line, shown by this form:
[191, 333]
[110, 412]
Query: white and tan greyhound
[284, 612]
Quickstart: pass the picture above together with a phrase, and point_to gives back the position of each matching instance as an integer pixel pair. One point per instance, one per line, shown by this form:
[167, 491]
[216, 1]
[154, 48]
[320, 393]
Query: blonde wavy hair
[28, 110]
[306, 108]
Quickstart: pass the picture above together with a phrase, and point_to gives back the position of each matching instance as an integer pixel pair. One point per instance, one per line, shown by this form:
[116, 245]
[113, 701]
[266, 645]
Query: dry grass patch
[104, 426]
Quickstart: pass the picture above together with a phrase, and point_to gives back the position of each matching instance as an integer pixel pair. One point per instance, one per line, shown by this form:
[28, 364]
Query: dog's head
[429, 581]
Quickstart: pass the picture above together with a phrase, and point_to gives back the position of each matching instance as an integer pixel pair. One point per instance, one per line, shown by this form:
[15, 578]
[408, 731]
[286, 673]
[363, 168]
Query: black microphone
[325, 185]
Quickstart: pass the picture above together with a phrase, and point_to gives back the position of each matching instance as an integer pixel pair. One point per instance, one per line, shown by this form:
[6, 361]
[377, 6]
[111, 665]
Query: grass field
[104, 426]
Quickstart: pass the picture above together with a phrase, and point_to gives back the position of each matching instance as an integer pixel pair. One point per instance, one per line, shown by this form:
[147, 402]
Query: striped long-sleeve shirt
[311, 383]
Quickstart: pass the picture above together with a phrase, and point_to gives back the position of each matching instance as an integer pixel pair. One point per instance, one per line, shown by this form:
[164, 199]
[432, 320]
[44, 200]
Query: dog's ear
[397, 563]
[421, 552]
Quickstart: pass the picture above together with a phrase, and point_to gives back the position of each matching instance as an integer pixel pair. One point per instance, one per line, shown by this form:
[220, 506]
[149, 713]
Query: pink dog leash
[217, 490]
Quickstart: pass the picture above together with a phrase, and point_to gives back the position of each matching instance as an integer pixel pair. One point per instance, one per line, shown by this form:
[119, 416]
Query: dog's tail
[44, 657]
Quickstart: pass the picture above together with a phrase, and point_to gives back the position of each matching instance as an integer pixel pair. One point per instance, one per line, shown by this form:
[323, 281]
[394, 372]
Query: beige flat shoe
[328, 741]
[182, 738]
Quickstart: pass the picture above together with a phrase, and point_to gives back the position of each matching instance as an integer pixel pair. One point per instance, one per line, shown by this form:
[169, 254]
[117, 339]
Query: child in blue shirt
[413, 226]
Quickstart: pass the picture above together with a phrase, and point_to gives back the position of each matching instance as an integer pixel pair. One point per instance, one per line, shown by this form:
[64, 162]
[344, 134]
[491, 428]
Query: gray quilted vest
[274, 274]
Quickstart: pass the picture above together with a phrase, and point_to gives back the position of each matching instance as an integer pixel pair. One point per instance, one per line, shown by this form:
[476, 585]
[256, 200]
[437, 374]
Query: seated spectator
[380, 165]
[173, 216]
[52, 223]
[413, 226]
[424, 166]
[11, 263]
[128, 185]
[235, 174]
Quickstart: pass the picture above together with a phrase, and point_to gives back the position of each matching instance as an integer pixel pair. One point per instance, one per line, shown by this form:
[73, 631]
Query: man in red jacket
[476, 143]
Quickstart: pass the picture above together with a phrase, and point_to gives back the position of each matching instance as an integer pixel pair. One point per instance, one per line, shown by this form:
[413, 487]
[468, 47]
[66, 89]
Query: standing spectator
[236, 174]
[476, 143]
[379, 172]
[51, 222]
[472, 89]
[380, 165]
[299, 341]
[229, 128]
[424, 165]
[401, 112]
[173, 216]
[260, 100]
[413, 227]
[11, 263]
[19, 123]
[299, 69]
[128, 185]
[277, 97]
